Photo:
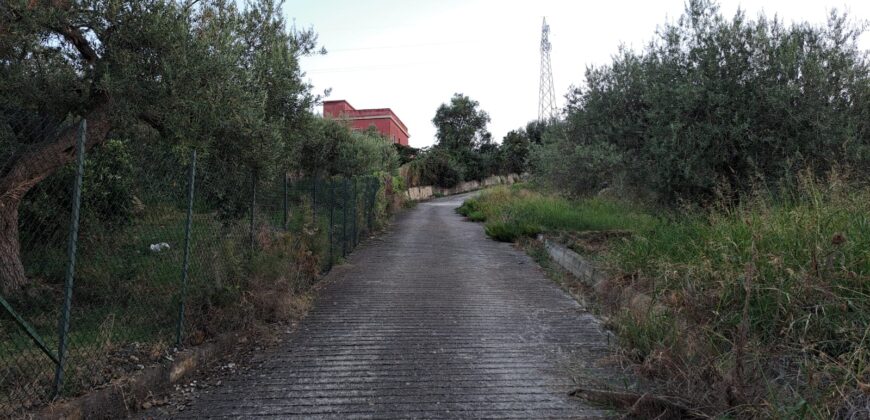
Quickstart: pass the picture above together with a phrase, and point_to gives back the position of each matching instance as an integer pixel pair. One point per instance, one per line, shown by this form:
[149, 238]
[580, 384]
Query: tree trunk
[11, 269]
[30, 169]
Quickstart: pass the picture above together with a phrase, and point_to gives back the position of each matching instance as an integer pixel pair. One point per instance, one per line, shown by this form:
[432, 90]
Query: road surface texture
[431, 320]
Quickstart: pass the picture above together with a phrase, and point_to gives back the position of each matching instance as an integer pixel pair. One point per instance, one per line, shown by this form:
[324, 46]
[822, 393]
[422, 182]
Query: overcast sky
[412, 56]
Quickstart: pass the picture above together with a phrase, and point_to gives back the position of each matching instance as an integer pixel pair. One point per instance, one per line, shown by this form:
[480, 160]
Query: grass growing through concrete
[768, 301]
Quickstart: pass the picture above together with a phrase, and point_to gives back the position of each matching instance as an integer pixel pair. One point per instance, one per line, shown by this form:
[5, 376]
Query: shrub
[438, 167]
[332, 148]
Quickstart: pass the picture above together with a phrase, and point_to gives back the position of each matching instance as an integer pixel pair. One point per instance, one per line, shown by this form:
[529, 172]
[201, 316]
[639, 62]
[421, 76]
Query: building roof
[366, 114]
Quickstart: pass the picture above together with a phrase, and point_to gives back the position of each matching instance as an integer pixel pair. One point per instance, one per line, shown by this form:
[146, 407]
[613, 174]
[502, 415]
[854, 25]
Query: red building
[384, 119]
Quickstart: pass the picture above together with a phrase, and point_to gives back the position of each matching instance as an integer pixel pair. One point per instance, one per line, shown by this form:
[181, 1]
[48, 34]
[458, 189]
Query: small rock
[134, 359]
[146, 405]
[140, 367]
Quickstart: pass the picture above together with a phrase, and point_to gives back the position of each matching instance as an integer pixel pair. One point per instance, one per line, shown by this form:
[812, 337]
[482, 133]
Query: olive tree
[202, 73]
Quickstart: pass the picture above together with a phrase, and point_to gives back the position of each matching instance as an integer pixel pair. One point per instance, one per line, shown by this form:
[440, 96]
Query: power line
[394, 47]
[372, 67]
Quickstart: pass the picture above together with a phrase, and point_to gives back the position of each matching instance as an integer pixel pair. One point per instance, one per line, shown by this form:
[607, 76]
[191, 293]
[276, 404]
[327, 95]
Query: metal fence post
[63, 328]
[284, 220]
[185, 264]
[354, 239]
[344, 219]
[253, 206]
[376, 187]
[314, 200]
[331, 219]
[372, 200]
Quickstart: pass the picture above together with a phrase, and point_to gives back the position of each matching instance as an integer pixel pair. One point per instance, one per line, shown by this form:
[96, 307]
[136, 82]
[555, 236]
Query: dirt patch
[161, 381]
[244, 355]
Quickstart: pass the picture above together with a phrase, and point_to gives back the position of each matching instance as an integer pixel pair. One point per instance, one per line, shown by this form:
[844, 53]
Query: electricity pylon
[547, 99]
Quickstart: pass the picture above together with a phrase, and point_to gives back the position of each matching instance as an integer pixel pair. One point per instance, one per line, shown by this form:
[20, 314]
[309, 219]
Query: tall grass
[514, 212]
[779, 290]
[767, 303]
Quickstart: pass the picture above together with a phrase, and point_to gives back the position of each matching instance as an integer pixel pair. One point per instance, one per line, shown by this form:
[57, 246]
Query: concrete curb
[122, 397]
[595, 278]
[573, 262]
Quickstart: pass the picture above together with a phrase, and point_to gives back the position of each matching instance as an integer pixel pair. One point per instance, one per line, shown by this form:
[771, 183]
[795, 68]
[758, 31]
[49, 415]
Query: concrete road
[431, 320]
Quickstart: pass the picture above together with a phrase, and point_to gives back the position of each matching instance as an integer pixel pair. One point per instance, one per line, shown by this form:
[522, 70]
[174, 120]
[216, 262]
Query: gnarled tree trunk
[11, 269]
[30, 169]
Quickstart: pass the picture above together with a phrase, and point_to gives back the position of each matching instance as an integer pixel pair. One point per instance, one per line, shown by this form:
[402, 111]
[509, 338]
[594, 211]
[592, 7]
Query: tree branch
[33, 166]
[75, 37]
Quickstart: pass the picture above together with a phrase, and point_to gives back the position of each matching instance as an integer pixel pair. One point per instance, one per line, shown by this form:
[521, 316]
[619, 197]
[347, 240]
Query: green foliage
[461, 125]
[436, 166]
[515, 152]
[465, 150]
[107, 196]
[332, 148]
[406, 153]
[575, 167]
[758, 296]
[512, 213]
[206, 73]
[719, 103]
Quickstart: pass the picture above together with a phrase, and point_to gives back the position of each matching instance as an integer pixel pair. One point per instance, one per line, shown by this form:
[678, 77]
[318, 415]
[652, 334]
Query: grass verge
[513, 212]
[768, 302]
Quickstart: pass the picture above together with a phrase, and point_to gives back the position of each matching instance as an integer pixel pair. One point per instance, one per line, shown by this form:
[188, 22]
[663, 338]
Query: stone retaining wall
[428, 191]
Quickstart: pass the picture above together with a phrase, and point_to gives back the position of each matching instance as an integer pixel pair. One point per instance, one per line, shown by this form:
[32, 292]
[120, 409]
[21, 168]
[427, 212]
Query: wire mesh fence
[133, 250]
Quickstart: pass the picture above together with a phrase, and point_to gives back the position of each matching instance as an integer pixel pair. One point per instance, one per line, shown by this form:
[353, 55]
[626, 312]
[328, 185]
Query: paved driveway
[430, 320]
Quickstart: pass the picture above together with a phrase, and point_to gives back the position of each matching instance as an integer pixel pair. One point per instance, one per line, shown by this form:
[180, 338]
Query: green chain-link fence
[129, 253]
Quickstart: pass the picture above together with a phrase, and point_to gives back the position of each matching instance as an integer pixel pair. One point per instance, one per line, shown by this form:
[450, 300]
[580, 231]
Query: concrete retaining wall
[429, 191]
[573, 262]
[588, 273]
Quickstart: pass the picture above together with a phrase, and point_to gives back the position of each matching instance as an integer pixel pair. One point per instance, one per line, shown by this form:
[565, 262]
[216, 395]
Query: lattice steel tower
[547, 100]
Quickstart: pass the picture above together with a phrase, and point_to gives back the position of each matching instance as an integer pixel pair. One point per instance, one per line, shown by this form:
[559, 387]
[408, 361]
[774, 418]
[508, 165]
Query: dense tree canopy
[715, 103]
[464, 148]
[330, 148]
